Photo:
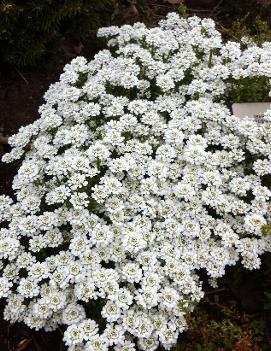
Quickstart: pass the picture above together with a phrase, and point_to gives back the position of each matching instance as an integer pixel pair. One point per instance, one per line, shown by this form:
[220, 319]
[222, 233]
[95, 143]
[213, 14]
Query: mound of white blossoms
[135, 177]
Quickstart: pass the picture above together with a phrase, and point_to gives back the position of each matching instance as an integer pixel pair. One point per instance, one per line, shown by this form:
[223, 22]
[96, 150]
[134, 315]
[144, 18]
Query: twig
[253, 316]
[22, 76]
[60, 330]
[227, 31]
[216, 291]
[23, 344]
[216, 7]
[197, 10]
[167, 5]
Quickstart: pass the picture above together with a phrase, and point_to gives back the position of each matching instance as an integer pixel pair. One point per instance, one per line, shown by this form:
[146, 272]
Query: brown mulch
[18, 337]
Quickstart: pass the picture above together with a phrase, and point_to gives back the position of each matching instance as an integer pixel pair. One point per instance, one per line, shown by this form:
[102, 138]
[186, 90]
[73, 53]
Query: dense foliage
[136, 177]
[31, 29]
[33, 32]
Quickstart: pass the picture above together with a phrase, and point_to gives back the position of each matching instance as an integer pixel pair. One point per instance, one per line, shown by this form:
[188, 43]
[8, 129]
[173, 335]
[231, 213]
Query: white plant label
[250, 109]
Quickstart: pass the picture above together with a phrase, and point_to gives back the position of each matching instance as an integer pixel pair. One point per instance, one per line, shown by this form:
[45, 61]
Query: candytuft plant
[135, 177]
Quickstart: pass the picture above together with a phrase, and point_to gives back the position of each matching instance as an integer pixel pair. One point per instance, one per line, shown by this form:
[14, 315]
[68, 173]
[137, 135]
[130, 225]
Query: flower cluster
[135, 176]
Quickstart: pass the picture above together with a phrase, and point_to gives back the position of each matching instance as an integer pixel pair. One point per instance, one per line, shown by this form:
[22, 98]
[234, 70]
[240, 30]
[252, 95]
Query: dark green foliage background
[32, 29]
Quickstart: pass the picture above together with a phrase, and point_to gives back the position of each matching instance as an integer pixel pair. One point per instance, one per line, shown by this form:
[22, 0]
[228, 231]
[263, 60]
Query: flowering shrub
[135, 177]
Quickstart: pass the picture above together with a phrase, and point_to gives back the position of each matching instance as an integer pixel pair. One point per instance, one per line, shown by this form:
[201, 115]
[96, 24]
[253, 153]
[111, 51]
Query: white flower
[114, 334]
[73, 313]
[132, 272]
[169, 298]
[42, 309]
[123, 298]
[28, 288]
[57, 300]
[85, 290]
[127, 346]
[254, 223]
[73, 335]
[97, 343]
[111, 312]
[89, 328]
[147, 297]
[5, 286]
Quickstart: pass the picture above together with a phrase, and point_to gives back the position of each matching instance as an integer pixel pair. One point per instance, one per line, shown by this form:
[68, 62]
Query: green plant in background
[255, 29]
[245, 29]
[248, 29]
[31, 29]
[249, 90]
[218, 326]
[266, 230]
